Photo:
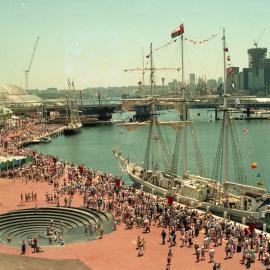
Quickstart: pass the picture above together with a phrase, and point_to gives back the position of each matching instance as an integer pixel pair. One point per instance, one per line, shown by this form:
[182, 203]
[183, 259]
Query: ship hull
[234, 214]
[141, 184]
[72, 131]
[135, 173]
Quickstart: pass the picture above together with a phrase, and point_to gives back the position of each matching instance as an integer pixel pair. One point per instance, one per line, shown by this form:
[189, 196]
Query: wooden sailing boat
[73, 124]
[221, 196]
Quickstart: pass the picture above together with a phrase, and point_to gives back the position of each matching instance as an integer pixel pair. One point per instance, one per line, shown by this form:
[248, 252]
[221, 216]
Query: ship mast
[225, 115]
[184, 112]
[68, 113]
[143, 69]
[153, 120]
[153, 115]
[151, 71]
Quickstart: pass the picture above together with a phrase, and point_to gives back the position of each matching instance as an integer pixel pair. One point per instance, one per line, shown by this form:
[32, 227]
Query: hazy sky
[92, 41]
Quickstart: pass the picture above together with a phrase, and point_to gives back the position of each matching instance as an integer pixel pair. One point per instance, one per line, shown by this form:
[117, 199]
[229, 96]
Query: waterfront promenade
[116, 250]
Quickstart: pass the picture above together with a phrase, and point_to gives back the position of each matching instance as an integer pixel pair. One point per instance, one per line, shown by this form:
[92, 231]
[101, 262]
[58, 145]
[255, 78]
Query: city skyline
[92, 42]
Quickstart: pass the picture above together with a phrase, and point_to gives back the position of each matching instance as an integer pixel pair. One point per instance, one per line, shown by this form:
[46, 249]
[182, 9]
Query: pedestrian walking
[211, 254]
[141, 249]
[198, 254]
[203, 250]
[138, 242]
[169, 257]
[23, 248]
[163, 236]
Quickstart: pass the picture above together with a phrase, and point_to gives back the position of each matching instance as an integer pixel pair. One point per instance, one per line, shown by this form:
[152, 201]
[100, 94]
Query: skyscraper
[256, 57]
[192, 78]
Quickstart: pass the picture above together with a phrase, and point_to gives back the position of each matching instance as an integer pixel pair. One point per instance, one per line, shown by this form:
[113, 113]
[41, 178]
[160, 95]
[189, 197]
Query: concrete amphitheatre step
[23, 224]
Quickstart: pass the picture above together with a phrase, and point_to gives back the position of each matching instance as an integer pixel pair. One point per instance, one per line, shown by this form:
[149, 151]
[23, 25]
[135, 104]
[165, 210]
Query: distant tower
[163, 86]
[192, 78]
[256, 58]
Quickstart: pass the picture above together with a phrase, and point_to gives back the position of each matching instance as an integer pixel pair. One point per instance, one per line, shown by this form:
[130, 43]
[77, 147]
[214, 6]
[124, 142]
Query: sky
[93, 41]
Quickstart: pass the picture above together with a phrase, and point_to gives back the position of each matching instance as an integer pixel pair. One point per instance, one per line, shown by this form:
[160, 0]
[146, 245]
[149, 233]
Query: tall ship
[73, 122]
[218, 193]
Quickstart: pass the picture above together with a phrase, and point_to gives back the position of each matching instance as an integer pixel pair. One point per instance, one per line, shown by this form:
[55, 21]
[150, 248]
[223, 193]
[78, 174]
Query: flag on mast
[178, 31]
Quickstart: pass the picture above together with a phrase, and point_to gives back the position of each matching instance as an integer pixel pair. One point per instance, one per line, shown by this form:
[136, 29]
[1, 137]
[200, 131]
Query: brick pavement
[117, 250]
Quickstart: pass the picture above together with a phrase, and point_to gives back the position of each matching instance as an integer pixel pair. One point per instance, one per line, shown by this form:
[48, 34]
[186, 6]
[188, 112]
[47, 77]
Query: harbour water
[93, 146]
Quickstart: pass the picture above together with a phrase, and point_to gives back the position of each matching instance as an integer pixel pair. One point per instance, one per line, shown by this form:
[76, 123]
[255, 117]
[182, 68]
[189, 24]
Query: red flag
[230, 70]
[117, 183]
[252, 227]
[170, 200]
[81, 169]
[178, 31]
[226, 49]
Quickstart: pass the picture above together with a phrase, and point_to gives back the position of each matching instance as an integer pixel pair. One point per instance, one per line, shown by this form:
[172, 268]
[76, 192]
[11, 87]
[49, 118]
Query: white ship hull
[235, 214]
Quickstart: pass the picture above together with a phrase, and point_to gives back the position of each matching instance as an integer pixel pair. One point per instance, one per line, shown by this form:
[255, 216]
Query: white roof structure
[5, 111]
[15, 94]
[9, 89]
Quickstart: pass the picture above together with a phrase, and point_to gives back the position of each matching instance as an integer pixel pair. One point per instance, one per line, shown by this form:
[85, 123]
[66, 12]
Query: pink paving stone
[117, 250]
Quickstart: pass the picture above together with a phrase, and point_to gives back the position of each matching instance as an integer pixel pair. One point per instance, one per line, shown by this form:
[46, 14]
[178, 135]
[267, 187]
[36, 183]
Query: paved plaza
[116, 250]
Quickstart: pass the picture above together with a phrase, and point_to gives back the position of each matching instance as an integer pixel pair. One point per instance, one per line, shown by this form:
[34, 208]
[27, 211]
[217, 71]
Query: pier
[95, 112]
[55, 133]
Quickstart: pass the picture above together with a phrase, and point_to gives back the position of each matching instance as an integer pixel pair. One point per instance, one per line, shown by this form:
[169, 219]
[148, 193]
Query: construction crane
[26, 71]
[255, 43]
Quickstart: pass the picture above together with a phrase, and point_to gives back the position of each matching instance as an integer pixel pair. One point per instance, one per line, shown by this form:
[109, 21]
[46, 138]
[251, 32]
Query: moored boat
[72, 128]
[74, 124]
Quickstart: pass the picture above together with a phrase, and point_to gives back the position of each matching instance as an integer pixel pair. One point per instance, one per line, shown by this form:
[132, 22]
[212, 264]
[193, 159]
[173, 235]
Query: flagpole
[225, 115]
[151, 70]
[143, 67]
[225, 71]
[182, 57]
[184, 113]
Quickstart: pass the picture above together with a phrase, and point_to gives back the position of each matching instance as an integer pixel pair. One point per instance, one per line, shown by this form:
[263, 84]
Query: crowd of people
[137, 209]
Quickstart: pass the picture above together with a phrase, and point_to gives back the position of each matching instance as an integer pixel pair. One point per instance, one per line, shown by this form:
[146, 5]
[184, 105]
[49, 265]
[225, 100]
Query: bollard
[141, 187]
[244, 220]
[192, 204]
[207, 209]
[225, 214]
[264, 227]
[153, 191]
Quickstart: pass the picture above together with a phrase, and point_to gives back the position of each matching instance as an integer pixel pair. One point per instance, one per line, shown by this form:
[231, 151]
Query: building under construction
[255, 78]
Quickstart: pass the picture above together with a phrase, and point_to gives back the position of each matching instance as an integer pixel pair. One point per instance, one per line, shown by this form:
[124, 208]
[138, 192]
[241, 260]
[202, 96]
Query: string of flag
[198, 42]
[192, 41]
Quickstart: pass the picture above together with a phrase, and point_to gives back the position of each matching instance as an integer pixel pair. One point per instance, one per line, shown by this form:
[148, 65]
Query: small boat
[45, 139]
